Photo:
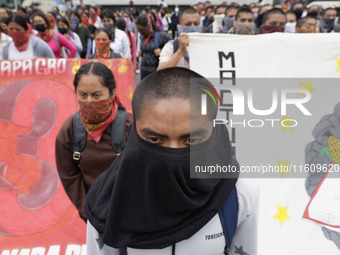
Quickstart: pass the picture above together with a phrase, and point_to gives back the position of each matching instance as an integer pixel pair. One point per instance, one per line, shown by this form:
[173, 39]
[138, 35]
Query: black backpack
[117, 134]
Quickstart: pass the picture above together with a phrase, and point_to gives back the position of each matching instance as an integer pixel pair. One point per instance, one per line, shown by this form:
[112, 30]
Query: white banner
[287, 121]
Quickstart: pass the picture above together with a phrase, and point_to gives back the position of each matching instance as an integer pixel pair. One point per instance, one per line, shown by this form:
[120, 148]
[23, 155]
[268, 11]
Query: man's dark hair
[108, 14]
[144, 22]
[303, 20]
[231, 8]
[271, 12]
[209, 8]
[218, 7]
[121, 24]
[243, 10]
[98, 69]
[169, 83]
[327, 9]
[188, 10]
[295, 4]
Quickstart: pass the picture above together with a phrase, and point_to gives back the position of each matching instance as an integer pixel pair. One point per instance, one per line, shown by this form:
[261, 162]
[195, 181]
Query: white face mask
[290, 27]
[176, 9]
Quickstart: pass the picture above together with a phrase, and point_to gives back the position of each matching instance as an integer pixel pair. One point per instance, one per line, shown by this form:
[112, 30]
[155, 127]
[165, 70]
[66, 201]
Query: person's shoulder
[164, 35]
[38, 42]
[247, 188]
[65, 132]
[119, 32]
[248, 197]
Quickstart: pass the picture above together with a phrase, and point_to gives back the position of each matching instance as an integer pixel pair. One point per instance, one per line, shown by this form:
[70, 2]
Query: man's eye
[193, 141]
[153, 139]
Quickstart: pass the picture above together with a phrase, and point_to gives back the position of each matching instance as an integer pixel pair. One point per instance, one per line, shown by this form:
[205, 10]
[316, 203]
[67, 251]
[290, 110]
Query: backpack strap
[55, 36]
[228, 216]
[78, 138]
[118, 131]
[123, 251]
[176, 47]
[156, 39]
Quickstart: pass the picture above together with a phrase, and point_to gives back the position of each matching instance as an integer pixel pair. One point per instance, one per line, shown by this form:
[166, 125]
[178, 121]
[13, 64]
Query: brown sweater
[95, 159]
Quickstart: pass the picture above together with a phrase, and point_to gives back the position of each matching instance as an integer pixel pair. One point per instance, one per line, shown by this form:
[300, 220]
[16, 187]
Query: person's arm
[43, 49]
[245, 238]
[126, 46]
[4, 53]
[69, 173]
[89, 46]
[68, 45]
[134, 50]
[76, 42]
[168, 57]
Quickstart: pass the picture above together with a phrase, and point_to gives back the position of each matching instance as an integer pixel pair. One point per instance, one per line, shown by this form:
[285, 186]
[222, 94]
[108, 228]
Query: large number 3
[31, 197]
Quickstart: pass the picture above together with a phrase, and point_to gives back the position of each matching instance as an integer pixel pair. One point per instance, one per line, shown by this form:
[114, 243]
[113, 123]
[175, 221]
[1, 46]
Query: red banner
[36, 97]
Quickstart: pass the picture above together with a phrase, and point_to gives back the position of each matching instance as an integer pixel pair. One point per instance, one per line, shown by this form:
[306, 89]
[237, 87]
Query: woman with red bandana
[52, 18]
[96, 93]
[103, 39]
[24, 45]
[85, 20]
[94, 18]
[55, 40]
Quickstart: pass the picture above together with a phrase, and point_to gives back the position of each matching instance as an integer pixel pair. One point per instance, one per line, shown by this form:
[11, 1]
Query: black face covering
[147, 200]
[62, 30]
[40, 27]
[313, 14]
[298, 13]
[326, 25]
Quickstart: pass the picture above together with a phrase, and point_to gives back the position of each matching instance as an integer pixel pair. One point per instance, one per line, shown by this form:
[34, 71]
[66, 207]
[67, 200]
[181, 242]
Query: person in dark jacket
[95, 89]
[152, 41]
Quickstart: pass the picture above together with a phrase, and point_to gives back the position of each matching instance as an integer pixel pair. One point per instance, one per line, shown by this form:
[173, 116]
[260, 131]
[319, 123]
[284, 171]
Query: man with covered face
[244, 23]
[175, 52]
[148, 203]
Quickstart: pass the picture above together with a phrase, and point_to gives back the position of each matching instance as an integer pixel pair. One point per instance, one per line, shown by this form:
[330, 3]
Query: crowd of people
[143, 197]
[150, 37]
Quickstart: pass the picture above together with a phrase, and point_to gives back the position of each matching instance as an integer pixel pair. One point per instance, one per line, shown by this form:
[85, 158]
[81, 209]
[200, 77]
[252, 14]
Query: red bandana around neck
[96, 116]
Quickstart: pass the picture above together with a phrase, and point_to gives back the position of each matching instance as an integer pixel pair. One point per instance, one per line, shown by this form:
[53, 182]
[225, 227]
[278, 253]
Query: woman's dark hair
[5, 20]
[86, 13]
[54, 14]
[42, 15]
[20, 20]
[22, 9]
[121, 24]
[144, 22]
[65, 21]
[105, 30]
[98, 69]
[153, 16]
[75, 13]
[92, 7]
[108, 14]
